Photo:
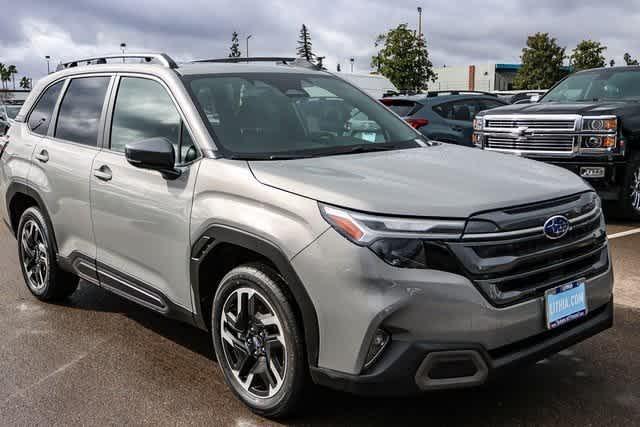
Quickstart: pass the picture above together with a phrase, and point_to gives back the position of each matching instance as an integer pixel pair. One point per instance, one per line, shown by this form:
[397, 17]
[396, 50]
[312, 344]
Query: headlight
[478, 123]
[600, 124]
[598, 142]
[364, 229]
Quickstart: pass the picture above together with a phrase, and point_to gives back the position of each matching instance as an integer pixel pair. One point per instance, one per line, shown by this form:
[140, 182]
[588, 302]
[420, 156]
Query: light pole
[419, 21]
[48, 58]
[247, 41]
[123, 46]
[352, 60]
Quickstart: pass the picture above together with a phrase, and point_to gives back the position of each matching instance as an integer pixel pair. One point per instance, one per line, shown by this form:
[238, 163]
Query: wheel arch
[20, 197]
[215, 237]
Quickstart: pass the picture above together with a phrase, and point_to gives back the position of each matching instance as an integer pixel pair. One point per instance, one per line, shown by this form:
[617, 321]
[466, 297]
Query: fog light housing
[477, 139]
[379, 342]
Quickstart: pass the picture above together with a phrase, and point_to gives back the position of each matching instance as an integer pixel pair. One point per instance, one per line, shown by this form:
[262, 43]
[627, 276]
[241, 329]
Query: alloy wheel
[253, 342]
[35, 255]
[635, 191]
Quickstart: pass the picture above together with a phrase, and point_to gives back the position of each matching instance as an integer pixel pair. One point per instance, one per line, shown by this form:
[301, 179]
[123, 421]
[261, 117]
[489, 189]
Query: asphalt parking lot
[101, 360]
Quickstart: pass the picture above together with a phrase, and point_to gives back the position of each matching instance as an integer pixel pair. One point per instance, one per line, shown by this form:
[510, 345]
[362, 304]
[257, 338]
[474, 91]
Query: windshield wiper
[360, 148]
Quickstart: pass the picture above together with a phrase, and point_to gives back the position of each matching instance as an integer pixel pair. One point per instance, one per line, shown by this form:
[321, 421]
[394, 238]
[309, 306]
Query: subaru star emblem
[556, 227]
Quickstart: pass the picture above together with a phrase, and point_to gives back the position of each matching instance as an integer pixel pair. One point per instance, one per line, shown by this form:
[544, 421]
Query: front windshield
[278, 115]
[598, 85]
[13, 110]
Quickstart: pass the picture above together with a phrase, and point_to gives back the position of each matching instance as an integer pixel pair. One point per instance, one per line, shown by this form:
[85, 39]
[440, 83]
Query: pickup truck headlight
[478, 123]
[400, 242]
[598, 142]
[600, 124]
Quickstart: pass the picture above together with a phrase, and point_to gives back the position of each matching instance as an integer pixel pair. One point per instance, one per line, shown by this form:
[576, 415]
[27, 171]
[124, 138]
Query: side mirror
[155, 154]
[535, 98]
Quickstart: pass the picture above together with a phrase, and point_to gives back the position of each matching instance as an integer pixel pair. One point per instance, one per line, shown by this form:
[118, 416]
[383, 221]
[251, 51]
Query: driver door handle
[43, 156]
[103, 173]
[457, 128]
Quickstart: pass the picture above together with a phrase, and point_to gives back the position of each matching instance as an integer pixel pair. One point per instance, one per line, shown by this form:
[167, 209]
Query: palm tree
[25, 83]
[12, 71]
[3, 71]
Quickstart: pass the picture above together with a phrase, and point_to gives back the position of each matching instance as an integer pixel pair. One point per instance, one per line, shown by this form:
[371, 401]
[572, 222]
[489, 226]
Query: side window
[80, 110]
[40, 117]
[143, 110]
[488, 105]
[443, 110]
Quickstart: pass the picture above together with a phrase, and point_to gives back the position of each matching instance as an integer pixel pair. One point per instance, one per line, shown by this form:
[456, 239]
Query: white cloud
[462, 32]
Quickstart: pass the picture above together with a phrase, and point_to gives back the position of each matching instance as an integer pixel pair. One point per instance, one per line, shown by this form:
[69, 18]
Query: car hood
[438, 181]
[581, 108]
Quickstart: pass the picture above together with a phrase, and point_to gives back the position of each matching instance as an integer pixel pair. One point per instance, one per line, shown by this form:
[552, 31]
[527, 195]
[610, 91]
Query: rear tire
[629, 205]
[38, 260]
[258, 341]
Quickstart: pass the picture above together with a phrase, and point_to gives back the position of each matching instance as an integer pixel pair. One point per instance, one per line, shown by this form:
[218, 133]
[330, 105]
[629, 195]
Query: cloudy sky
[458, 32]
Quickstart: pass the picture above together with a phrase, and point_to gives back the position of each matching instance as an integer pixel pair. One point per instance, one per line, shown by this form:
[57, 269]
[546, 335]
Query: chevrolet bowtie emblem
[521, 131]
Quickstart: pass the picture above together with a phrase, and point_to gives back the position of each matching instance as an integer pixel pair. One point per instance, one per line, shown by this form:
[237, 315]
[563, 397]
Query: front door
[141, 220]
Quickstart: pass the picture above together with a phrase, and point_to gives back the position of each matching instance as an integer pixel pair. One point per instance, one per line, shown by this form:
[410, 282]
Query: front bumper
[355, 293]
[403, 370]
[609, 187]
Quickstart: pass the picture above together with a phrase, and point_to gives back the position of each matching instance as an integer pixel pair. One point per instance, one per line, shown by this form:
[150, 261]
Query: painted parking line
[624, 233]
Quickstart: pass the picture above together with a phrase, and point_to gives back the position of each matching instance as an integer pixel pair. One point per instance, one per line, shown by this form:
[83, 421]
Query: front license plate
[589, 172]
[565, 304]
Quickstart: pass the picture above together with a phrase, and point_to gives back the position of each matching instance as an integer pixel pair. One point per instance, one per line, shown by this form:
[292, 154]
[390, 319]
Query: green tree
[404, 59]
[542, 62]
[12, 70]
[235, 46]
[305, 46]
[3, 74]
[629, 60]
[588, 54]
[25, 83]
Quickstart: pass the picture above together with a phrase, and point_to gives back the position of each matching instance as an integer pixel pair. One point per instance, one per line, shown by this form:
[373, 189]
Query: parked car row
[8, 113]
[443, 116]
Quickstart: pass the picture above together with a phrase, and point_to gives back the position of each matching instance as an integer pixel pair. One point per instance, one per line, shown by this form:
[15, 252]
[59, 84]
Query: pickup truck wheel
[40, 270]
[258, 342]
[630, 203]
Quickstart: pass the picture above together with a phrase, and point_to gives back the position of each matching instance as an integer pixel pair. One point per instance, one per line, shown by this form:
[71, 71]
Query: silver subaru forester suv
[318, 237]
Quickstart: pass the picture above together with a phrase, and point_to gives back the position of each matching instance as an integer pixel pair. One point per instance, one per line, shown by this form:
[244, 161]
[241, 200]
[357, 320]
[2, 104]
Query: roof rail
[294, 62]
[458, 92]
[161, 58]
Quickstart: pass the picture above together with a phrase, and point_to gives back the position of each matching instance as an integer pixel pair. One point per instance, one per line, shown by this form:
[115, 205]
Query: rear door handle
[103, 173]
[43, 156]
[457, 128]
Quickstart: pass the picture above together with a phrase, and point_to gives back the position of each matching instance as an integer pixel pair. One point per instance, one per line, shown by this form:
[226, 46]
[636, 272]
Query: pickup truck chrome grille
[543, 134]
[531, 124]
[533, 143]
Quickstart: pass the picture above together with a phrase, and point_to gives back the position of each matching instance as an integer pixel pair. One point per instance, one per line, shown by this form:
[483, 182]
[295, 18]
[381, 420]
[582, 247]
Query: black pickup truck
[588, 123]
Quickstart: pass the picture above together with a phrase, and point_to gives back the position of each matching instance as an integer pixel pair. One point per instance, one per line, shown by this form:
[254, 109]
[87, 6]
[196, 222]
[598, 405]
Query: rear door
[458, 117]
[142, 219]
[63, 158]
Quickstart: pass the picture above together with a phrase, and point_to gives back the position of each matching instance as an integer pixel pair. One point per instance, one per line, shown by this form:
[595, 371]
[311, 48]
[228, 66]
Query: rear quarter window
[40, 116]
[401, 107]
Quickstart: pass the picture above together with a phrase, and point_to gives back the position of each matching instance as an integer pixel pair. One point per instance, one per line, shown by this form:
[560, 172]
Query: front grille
[511, 266]
[531, 124]
[531, 143]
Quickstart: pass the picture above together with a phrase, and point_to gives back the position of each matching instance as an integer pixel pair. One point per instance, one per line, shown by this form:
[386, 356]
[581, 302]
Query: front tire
[258, 341]
[630, 202]
[40, 269]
